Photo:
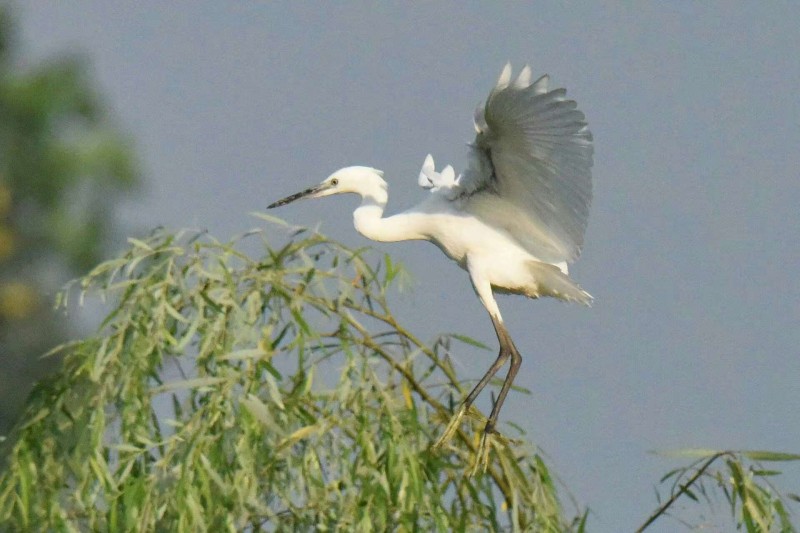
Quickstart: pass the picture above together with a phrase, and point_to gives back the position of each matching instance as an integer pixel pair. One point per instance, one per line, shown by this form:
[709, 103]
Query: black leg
[507, 349]
[516, 362]
[502, 357]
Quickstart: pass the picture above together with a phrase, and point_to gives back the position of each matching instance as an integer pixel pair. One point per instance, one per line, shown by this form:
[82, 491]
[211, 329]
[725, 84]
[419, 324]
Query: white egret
[513, 219]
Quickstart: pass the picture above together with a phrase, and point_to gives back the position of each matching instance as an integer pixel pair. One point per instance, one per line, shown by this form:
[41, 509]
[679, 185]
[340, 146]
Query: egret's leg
[516, 361]
[506, 344]
[452, 427]
[483, 289]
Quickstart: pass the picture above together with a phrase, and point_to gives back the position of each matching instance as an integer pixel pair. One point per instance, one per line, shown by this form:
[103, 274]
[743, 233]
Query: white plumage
[513, 219]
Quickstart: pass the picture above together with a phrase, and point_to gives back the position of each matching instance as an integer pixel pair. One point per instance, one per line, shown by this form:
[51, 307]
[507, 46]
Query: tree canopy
[227, 393]
[224, 392]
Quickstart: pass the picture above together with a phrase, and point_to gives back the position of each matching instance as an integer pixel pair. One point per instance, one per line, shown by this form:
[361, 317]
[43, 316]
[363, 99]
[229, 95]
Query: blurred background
[116, 117]
[63, 169]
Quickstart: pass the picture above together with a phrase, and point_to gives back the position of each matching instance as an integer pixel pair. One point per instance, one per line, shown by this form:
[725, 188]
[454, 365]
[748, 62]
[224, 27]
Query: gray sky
[692, 249]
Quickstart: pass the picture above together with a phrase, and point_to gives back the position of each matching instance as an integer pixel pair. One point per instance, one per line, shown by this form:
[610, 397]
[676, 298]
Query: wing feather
[530, 167]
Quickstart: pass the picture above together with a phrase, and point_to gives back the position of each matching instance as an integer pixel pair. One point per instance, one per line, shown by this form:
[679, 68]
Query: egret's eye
[334, 182]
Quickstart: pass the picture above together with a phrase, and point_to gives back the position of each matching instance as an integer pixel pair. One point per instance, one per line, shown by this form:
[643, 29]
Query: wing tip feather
[505, 77]
[524, 79]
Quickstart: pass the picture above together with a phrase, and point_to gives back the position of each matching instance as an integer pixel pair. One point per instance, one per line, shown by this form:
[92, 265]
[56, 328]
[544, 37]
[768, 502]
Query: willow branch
[682, 490]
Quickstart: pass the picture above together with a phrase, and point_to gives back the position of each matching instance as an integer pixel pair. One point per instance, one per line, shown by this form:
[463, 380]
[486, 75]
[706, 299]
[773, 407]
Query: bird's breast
[462, 236]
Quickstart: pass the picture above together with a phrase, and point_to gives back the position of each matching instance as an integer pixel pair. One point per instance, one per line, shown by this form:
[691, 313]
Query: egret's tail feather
[554, 283]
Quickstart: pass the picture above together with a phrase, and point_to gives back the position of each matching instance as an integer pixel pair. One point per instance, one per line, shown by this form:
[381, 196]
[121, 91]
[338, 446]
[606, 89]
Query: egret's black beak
[297, 196]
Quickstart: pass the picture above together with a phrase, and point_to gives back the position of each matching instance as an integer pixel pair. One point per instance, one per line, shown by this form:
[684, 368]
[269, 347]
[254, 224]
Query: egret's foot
[482, 453]
[451, 428]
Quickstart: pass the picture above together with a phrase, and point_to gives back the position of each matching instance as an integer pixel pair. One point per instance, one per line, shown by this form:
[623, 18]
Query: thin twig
[683, 489]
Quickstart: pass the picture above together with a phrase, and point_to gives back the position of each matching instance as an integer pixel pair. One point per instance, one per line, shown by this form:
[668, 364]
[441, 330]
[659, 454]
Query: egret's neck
[367, 217]
[369, 221]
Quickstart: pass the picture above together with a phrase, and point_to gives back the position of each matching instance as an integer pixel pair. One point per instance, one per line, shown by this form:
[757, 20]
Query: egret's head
[358, 180]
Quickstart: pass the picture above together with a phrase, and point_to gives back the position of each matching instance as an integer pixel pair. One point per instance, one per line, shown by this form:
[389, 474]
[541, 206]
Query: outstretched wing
[530, 166]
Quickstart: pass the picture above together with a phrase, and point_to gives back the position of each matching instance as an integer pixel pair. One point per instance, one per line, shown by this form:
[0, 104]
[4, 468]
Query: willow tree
[227, 393]
[224, 392]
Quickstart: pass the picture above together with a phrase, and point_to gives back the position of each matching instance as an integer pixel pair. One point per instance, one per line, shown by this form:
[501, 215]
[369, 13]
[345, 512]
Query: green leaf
[241, 355]
[688, 452]
[126, 448]
[257, 408]
[195, 383]
[762, 455]
[269, 218]
[469, 340]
